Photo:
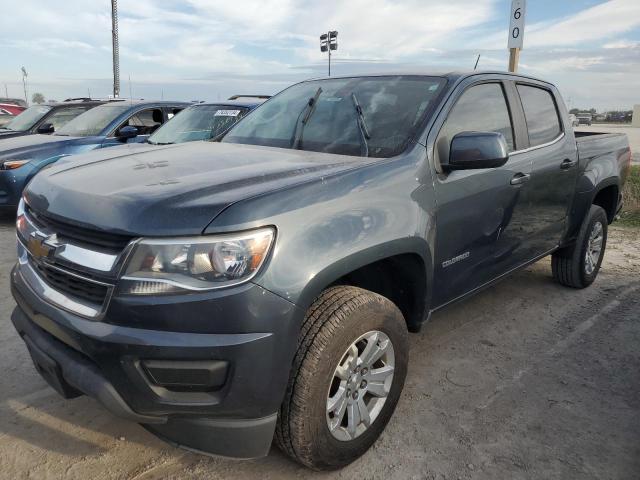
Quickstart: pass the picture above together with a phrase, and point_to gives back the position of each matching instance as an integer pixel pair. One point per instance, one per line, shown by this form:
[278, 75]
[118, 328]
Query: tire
[336, 319]
[570, 265]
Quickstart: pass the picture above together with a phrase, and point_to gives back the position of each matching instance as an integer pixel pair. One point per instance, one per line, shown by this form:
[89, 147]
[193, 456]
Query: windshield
[94, 121]
[369, 116]
[28, 118]
[198, 122]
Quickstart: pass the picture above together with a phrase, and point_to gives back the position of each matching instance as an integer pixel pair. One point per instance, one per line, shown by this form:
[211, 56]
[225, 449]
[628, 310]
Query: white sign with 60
[516, 24]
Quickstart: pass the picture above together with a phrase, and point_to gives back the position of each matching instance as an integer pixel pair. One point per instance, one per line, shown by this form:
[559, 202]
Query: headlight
[12, 164]
[21, 223]
[158, 266]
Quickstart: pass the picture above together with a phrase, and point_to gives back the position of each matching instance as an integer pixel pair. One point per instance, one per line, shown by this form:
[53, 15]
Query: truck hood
[170, 190]
[29, 147]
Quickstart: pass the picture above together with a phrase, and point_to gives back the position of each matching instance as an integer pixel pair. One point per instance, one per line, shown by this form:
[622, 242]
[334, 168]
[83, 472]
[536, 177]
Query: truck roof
[451, 75]
[234, 103]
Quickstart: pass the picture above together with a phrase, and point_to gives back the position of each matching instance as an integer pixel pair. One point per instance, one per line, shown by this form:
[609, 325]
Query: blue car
[114, 123]
[204, 121]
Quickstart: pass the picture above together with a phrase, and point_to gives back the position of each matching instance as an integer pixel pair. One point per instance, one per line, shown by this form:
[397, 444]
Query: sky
[211, 49]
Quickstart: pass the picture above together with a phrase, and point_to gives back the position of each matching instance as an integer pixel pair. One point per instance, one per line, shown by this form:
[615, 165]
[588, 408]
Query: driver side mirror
[126, 133]
[474, 150]
[46, 128]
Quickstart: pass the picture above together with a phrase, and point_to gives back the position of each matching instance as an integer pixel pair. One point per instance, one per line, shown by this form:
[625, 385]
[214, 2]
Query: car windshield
[369, 116]
[198, 122]
[28, 118]
[94, 121]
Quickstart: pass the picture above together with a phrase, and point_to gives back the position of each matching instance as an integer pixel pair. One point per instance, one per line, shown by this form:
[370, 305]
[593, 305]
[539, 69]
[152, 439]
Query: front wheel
[346, 379]
[578, 265]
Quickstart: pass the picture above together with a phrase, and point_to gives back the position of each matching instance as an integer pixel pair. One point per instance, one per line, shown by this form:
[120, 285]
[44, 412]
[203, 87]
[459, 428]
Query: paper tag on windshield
[227, 113]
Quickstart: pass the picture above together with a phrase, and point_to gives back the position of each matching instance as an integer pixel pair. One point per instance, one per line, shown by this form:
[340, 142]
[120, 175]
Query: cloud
[45, 44]
[266, 44]
[601, 21]
[623, 44]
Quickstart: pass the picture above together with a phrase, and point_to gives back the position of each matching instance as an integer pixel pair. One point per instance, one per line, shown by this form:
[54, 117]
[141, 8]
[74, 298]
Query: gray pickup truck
[223, 294]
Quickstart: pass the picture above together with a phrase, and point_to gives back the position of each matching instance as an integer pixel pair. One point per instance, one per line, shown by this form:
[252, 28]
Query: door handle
[520, 178]
[567, 163]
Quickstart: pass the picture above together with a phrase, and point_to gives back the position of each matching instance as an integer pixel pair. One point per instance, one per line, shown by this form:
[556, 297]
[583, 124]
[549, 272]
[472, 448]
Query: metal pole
[329, 50]
[116, 48]
[514, 58]
[6, 92]
[24, 84]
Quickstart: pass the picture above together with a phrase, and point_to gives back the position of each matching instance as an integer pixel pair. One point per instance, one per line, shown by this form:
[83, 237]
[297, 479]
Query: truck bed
[604, 155]
[595, 145]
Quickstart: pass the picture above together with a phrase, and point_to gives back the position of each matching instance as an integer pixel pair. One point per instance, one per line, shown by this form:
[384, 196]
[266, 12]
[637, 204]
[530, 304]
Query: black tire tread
[566, 264]
[320, 323]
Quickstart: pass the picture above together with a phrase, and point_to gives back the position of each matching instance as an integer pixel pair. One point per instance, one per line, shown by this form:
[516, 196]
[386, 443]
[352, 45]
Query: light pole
[116, 48]
[328, 42]
[24, 84]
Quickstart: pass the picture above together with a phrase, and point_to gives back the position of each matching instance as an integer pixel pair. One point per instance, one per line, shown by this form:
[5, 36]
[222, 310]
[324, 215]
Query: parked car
[573, 120]
[8, 111]
[110, 124]
[203, 121]
[14, 101]
[221, 293]
[12, 109]
[584, 119]
[45, 119]
[5, 117]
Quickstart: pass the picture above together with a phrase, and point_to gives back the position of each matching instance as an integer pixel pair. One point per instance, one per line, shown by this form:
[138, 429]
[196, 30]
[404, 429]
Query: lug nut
[363, 384]
[355, 395]
[364, 371]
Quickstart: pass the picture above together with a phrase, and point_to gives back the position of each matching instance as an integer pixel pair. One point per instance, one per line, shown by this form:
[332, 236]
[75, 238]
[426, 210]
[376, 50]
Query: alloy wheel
[594, 248]
[360, 385]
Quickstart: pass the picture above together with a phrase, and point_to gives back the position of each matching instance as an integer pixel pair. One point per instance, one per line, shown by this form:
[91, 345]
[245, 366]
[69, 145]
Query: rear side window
[146, 121]
[61, 117]
[540, 113]
[481, 108]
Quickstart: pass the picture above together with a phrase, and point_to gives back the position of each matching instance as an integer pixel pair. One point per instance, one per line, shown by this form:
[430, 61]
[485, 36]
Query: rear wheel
[347, 376]
[578, 265]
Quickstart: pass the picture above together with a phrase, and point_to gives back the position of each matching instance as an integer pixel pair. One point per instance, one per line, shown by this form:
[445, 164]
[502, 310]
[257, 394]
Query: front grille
[76, 287]
[111, 241]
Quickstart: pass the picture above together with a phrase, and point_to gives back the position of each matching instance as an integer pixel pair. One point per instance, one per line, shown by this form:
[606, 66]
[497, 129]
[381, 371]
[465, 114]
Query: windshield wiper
[306, 113]
[362, 127]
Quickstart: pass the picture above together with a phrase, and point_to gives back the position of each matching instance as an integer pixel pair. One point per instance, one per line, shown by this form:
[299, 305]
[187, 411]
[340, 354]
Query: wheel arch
[606, 195]
[400, 270]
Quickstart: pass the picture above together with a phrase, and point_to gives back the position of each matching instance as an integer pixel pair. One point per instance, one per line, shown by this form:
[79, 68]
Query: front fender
[332, 272]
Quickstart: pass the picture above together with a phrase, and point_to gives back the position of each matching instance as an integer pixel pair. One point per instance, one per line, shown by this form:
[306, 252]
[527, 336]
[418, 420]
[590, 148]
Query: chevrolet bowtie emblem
[41, 245]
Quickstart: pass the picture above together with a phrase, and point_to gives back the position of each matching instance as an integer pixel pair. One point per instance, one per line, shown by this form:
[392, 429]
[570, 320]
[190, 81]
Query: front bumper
[111, 361]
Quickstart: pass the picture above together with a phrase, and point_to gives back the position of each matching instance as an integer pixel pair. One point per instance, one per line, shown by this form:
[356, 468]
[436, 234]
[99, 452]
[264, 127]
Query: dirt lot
[526, 380]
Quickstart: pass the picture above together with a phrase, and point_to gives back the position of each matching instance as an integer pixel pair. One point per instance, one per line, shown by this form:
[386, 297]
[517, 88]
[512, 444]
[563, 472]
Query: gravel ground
[525, 380]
